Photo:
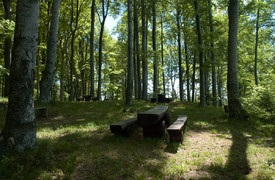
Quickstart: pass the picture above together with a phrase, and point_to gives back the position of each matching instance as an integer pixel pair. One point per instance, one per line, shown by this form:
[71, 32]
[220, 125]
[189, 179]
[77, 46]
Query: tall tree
[129, 93]
[7, 46]
[212, 55]
[235, 108]
[201, 56]
[92, 39]
[73, 27]
[19, 131]
[102, 18]
[154, 43]
[256, 47]
[47, 78]
[178, 16]
[144, 51]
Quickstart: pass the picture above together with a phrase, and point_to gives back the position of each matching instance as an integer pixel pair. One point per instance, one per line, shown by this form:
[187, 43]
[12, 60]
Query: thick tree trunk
[194, 78]
[20, 128]
[129, 93]
[47, 79]
[234, 104]
[201, 57]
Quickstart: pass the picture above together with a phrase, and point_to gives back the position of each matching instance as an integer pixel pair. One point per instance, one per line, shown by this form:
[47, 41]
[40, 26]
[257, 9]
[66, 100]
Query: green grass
[75, 142]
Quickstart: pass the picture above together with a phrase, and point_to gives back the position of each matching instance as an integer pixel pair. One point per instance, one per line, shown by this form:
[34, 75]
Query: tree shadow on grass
[237, 165]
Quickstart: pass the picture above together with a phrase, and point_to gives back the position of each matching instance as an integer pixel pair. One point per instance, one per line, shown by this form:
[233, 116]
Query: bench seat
[123, 127]
[176, 129]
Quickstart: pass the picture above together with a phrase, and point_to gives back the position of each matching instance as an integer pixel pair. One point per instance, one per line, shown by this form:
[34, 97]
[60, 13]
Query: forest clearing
[75, 142]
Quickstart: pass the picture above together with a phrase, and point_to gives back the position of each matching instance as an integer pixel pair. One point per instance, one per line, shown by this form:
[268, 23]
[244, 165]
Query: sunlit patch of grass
[75, 142]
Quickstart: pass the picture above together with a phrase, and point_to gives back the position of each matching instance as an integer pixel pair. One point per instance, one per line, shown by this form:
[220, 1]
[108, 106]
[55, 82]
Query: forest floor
[75, 142]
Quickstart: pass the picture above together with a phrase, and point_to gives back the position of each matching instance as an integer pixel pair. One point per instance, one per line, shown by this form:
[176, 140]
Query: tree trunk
[137, 53]
[194, 78]
[92, 60]
[201, 56]
[179, 55]
[7, 47]
[47, 78]
[235, 108]
[100, 55]
[144, 52]
[212, 56]
[162, 57]
[129, 93]
[154, 43]
[187, 69]
[256, 48]
[19, 131]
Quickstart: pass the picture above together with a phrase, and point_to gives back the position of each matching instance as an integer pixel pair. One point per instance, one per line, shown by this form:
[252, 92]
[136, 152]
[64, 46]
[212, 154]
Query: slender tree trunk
[74, 26]
[47, 78]
[220, 86]
[100, 55]
[129, 93]
[179, 55]
[137, 52]
[144, 52]
[154, 43]
[212, 56]
[256, 48]
[194, 78]
[19, 132]
[235, 108]
[201, 56]
[92, 39]
[162, 58]
[187, 70]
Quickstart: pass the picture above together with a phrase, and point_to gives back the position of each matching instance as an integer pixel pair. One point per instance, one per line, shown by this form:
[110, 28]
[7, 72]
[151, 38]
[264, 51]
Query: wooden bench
[176, 129]
[123, 127]
[152, 121]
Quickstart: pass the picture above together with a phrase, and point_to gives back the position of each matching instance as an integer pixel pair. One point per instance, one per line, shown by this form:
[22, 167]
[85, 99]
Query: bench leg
[156, 130]
[176, 136]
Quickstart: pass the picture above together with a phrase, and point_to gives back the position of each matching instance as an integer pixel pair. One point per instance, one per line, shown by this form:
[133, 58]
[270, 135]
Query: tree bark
[256, 48]
[154, 43]
[100, 55]
[92, 39]
[235, 108]
[144, 52]
[179, 55]
[19, 132]
[201, 57]
[47, 78]
[129, 93]
[212, 56]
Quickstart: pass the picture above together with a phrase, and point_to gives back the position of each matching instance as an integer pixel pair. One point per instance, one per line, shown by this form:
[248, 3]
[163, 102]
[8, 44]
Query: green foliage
[261, 102]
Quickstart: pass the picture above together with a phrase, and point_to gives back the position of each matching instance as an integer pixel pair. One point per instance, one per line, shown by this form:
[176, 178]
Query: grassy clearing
[75, 142]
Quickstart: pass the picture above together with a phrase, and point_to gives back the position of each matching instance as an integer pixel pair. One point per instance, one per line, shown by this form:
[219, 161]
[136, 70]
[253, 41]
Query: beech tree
[235, 108]
[19, 132]
[47, 79]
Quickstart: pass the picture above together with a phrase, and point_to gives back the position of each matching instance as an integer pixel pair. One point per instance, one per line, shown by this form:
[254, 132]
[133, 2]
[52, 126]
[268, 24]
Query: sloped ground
[75, 142]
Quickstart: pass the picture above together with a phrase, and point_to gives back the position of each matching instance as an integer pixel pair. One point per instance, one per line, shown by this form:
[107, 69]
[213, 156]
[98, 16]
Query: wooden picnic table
[154, 121]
